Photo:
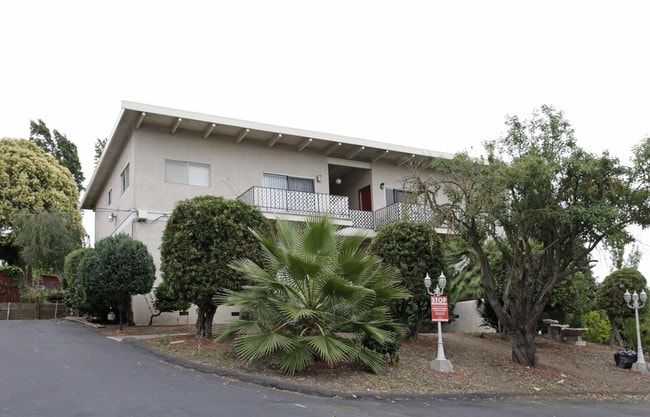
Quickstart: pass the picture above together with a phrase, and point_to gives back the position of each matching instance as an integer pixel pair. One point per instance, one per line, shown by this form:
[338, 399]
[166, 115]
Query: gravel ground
[482, 366]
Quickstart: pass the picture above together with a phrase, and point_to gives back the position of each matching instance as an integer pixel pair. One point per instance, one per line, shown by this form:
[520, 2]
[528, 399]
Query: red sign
[439, 308]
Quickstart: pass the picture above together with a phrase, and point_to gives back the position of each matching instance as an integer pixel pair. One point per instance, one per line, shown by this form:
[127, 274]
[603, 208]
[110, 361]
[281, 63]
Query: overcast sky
[439, 75]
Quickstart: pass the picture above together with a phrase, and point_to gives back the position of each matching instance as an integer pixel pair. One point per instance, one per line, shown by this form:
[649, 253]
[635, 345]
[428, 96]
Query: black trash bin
[625, 358]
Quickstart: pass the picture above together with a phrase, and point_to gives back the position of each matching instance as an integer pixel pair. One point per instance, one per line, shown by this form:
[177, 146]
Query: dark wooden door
[365, 202]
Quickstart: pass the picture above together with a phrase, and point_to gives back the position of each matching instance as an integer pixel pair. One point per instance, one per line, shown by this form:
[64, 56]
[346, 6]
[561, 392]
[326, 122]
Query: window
[393, 195]
[285, 193]
[124, 179]
[179, 172]
[285, 182]
[110, 196]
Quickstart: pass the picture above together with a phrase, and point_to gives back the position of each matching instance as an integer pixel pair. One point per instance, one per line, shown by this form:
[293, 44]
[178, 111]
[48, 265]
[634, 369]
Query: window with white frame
[394, 195]
[189, 173]
[124, 179]
[286, 182]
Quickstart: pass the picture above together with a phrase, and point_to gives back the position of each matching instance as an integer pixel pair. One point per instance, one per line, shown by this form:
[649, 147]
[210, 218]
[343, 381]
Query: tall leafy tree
[414, 249]
[572, 297]
[316, 296]
[45, 238]
[60, 147]
[100, 144]
[609, 298]
[545, 202]
[116, 269]
[34, 181]
[202, 237]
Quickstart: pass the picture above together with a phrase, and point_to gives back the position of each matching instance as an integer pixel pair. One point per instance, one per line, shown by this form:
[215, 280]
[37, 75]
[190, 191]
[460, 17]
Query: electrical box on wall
[143, 215]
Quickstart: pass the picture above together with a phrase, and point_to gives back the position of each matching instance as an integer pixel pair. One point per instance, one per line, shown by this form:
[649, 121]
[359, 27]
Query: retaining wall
[31, 311]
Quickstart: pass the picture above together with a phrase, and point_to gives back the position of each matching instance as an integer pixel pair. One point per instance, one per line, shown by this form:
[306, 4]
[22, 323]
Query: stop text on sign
[439, 308]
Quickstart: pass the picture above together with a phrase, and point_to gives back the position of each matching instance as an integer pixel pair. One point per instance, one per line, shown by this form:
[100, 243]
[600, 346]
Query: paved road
[65, 369]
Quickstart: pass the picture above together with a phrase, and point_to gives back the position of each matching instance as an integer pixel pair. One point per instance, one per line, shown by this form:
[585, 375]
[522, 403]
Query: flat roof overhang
[134, 116]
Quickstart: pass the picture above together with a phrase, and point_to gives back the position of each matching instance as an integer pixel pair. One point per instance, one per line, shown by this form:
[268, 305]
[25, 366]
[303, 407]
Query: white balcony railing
[296, 202]
[303, 203]
[402, 212]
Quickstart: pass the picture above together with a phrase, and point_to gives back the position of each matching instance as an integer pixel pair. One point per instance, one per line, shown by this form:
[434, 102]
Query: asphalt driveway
[60, 368]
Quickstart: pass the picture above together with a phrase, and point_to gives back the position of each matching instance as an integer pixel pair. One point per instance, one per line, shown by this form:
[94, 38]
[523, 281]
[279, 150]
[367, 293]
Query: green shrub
[16, 274]
[600, 330]
[388, 349]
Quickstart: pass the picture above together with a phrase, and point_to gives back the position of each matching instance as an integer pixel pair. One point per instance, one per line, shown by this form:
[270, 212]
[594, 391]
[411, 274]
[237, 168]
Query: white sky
[440, 75]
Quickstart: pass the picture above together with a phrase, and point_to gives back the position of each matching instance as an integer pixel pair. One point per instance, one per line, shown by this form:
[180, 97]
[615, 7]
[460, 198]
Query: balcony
[398, 212]
[278, 200]
[281, 201]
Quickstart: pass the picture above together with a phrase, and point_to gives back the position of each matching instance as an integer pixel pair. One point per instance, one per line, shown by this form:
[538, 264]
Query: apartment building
[157, 156]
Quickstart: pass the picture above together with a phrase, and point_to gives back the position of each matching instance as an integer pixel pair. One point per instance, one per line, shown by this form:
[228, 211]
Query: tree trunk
[617, 339]
[523, 347]
[204, 322]
[153, 316]
[422, 310]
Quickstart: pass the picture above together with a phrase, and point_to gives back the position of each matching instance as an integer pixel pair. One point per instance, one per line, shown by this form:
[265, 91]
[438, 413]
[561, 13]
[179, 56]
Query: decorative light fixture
[382, 187]
[112, 217]
[338, 181]
[319, 178]
[640, 365]
[440, 363]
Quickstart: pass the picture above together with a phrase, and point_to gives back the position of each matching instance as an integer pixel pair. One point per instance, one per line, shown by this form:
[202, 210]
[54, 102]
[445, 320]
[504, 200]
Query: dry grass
[481, 364]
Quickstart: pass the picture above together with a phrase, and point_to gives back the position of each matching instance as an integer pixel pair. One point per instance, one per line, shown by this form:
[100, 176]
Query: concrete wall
[468, 319]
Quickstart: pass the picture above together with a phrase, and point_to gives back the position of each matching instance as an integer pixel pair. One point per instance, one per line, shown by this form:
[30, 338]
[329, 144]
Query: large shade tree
[202, 237]
[317, 295]
[545, 202]
[414, 249]
[31, 180]
[116, 269]
[60, 147]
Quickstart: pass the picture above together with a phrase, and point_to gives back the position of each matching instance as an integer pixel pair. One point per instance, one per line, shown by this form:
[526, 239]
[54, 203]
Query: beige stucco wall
[121, 202]
[234, 168]
[392, 176]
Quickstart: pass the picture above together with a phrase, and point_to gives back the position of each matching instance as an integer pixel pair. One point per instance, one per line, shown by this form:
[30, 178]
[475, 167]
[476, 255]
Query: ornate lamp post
[640, 364]
[440, 363]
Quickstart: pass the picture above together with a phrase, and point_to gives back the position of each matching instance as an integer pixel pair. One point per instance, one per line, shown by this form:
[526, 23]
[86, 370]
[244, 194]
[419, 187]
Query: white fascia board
[165, 111]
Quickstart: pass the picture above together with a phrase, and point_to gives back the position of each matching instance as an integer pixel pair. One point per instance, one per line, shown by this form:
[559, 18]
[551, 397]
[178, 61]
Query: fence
[31, 311]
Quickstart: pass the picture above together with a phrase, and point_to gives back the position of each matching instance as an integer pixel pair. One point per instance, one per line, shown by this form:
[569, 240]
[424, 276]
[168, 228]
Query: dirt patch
[482, 365]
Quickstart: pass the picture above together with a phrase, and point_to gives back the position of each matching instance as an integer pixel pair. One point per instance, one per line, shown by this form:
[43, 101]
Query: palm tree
[465, 280]
[317, 295]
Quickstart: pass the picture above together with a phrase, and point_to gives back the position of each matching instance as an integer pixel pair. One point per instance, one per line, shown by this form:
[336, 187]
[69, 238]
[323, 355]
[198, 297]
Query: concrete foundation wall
[468, 319]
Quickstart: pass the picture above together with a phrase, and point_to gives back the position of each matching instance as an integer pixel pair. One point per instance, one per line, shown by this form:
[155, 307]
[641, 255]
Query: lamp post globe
[442, 282]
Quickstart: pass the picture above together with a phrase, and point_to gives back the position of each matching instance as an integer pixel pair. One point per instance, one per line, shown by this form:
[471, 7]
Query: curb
[134, 342]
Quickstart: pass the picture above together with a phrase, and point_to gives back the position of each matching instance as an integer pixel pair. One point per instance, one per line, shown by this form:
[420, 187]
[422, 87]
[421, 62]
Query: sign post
[439, 313]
